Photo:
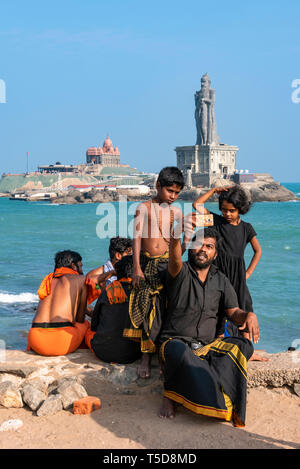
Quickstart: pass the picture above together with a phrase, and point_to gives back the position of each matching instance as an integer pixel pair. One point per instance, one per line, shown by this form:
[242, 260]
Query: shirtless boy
[59, 325]
[153, 222]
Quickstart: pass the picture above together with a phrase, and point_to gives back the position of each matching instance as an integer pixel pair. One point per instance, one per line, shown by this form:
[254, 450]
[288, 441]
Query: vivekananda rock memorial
[107, 155]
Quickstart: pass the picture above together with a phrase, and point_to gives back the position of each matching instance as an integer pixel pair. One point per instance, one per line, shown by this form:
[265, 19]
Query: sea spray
[25, 297]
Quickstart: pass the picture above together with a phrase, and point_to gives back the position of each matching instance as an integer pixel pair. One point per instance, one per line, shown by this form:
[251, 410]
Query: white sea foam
[25, 297]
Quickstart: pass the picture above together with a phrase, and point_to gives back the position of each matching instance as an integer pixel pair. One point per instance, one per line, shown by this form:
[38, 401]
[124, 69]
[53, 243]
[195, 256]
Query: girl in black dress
[236, 234]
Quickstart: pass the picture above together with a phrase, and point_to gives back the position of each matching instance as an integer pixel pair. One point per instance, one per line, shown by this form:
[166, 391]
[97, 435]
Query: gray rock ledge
[54, 375]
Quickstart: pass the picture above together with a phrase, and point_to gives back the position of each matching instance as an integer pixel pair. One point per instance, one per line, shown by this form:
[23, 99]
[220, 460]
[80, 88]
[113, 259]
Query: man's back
[65, 301]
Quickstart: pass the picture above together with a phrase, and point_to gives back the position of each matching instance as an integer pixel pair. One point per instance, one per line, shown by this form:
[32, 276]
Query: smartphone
[204, 220]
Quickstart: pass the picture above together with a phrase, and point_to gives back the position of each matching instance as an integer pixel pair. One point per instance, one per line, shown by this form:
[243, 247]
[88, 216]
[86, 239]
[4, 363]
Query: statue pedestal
[207, 162]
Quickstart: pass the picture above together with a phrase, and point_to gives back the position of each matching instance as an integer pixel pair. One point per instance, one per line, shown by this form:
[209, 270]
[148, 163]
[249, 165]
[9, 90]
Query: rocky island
[262, 190]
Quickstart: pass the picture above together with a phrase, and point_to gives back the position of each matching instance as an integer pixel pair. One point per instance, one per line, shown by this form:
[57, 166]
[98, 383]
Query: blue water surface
[32, 232]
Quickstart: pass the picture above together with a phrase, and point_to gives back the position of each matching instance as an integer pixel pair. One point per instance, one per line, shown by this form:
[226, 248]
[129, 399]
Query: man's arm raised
[175, 260]
[187, 226]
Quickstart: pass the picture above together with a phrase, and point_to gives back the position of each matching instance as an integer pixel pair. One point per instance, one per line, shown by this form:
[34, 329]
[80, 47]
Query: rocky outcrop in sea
[259, 191]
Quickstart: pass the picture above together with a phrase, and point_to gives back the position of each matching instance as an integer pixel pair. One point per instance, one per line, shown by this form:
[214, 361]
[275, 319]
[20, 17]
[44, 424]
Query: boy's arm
[255, 259]
[137, 244]
[95, 272]
[99, 277]
[200, 201]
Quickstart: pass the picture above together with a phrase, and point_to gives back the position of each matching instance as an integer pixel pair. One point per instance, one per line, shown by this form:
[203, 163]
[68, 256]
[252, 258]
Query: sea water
[32, 232]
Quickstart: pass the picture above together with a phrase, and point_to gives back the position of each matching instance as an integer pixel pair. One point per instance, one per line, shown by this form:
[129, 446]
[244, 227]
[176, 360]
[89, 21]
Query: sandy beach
[131, 422]
[128, 418]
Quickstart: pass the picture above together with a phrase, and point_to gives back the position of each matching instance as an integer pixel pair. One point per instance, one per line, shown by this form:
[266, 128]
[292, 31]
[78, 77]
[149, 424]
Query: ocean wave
[25, 297]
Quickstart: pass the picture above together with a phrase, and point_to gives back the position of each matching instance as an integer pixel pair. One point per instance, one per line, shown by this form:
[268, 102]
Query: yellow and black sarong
[147, 304]
[210, 381]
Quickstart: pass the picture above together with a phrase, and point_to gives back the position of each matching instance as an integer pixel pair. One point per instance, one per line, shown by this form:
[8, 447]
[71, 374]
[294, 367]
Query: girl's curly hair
[237, 197]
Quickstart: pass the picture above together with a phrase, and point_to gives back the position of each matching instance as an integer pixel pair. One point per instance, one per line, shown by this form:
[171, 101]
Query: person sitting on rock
[105, 338]
[59, 325]
[206, 375]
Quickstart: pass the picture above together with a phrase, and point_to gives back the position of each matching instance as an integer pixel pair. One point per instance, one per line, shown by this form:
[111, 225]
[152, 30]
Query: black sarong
[211, 381]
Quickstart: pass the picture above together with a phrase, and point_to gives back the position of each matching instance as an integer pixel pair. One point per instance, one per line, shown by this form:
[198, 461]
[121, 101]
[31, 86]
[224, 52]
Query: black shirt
[108, 321]
[235, 237]
[195, 309]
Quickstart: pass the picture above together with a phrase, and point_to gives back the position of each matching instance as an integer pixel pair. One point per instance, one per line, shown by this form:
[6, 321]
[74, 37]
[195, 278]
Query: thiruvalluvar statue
[205, 114]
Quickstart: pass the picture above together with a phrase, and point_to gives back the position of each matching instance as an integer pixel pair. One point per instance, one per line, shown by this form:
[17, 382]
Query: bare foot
[255, 357]
[167, 409]
[144, 367]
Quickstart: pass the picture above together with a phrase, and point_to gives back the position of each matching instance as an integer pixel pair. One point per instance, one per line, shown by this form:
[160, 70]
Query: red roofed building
[106, 155]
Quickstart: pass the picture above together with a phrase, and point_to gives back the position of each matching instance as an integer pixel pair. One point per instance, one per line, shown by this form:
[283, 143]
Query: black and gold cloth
[210, 381]
[147, 303]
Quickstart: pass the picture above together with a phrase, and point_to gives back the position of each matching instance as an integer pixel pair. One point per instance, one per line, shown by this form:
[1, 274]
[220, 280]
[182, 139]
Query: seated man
[59, 325]
[206, 375]
[105, 338]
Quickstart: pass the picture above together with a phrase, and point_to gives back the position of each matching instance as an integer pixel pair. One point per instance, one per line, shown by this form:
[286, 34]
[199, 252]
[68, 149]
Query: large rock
[50, 406]
[269, 192]
[282, 369]
[22, 371]
[64, 200]
[259, 191]
[70, 392]
[32, 396]
[297, 389]
[10, 395]
[17, 380]
[41, 383]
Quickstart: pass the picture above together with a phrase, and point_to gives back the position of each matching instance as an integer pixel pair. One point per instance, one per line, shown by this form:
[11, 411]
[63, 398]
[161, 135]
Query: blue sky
[76, 71]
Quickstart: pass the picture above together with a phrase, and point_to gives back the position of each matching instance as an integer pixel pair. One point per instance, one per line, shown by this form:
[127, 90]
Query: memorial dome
[92, 151]
[107, 145]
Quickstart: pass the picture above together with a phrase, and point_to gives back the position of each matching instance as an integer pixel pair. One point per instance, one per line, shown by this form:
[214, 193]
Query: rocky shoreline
[94, 196]
[47, 385]
[259, 191]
